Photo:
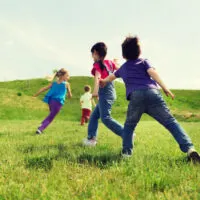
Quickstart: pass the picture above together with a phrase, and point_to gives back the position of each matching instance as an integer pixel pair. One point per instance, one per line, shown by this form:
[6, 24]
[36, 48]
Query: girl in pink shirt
[107, 95]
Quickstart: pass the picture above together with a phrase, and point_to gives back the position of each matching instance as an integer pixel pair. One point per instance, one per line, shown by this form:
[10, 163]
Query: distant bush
[19, 94]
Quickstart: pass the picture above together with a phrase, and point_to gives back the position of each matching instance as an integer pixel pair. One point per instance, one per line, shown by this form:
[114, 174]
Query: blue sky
[39, 36]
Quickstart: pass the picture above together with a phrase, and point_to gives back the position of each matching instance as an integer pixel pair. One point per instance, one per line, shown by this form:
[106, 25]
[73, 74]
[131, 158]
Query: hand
[102, 83]
[169, 93]
[94, 94]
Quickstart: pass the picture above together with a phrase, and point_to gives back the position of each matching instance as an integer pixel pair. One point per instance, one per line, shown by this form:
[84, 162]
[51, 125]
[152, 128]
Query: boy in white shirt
[86, 102]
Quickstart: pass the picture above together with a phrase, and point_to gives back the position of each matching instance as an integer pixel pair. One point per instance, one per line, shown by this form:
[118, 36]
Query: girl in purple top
[141, 81]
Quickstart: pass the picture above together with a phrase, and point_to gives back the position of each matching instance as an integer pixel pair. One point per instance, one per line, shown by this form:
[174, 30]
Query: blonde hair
[57, 74]
[60, 73]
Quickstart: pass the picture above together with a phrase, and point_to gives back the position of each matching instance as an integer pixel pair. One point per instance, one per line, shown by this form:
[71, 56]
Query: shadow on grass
[32, 148]
[101, 158]
[102, 161]
[44, 162]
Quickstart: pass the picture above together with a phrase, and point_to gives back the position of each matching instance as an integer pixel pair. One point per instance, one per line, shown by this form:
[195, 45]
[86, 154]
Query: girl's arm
[153, 73]
[42, 90]
[109, 78]
[69, 94]
[96, 84]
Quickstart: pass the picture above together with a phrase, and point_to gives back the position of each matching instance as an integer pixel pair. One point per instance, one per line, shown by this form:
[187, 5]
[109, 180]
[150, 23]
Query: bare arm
[42, 90]
[96, 84]
[109, 78]
[81, 101]
[153, 73]
[69, 93]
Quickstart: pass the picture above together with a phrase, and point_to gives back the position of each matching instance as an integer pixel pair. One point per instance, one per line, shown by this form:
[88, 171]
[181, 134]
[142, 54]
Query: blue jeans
[103, 110]
[150, 101]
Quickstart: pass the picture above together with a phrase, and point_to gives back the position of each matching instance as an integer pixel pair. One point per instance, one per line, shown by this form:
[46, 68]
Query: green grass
[56, 166]
[16, 101]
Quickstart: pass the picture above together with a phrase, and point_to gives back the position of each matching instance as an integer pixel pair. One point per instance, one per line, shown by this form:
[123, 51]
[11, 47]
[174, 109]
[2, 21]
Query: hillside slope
[16, 101]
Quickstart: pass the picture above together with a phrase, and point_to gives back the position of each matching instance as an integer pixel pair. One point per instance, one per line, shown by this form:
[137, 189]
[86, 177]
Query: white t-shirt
[86, 101]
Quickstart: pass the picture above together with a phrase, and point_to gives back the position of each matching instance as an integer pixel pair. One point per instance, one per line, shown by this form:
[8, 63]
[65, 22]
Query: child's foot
[127, 153]
[90, 142]
[38, 132]
[193, 156]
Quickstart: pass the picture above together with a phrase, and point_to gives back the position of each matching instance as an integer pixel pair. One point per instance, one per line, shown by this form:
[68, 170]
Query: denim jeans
[102, 110]
[150, 101]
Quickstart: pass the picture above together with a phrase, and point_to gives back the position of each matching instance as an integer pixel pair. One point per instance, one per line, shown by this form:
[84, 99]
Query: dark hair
[87, 88]
[101, 49]
[131, 48]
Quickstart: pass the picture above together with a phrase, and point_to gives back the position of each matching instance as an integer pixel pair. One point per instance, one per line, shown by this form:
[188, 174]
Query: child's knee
[106, 120]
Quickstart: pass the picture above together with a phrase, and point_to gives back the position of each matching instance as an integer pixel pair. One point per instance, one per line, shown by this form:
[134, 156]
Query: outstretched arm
[153, 73]
[42, 90]
[69, 93]
[109, 78]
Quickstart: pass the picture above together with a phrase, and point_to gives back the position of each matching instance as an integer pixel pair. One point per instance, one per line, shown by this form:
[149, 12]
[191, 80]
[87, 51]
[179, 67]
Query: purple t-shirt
[135, 76]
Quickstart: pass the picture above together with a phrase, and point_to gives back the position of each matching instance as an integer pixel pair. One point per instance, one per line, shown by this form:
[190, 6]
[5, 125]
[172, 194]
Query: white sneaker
[38, 132]
[193, 156]
[127, 153]
[89, 142]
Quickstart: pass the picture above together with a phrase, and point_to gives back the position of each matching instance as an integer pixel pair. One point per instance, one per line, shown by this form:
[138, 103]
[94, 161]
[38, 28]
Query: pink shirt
[109, 64]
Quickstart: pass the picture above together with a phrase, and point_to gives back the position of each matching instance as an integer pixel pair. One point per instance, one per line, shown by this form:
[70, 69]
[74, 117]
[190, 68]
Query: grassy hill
[55, 165]
[16, 101]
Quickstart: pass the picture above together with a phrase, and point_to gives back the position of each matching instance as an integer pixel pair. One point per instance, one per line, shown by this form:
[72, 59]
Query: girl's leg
[105, 106]
[93, 123]
[54, 107]
[158, 109]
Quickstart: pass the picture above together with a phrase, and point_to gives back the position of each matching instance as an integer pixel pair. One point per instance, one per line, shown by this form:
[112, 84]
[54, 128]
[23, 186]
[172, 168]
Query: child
[101, 69]
[86, 102]
[55, 98]
[141, 81]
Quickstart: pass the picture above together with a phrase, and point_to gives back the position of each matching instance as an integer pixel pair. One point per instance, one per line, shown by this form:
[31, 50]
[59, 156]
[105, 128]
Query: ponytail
[101, 49]
[102, 66]
[55, 75]
[59, 73]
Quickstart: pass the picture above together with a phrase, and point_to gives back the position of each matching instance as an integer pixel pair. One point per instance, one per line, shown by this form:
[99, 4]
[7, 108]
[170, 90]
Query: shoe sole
[126, 156]
[194, 157]
[89, 145]
[38, 133]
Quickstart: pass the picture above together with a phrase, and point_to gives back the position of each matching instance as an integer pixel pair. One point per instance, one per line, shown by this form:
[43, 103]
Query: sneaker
[90, 142]
[127, 153]
[193, 156]
[38, 132]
